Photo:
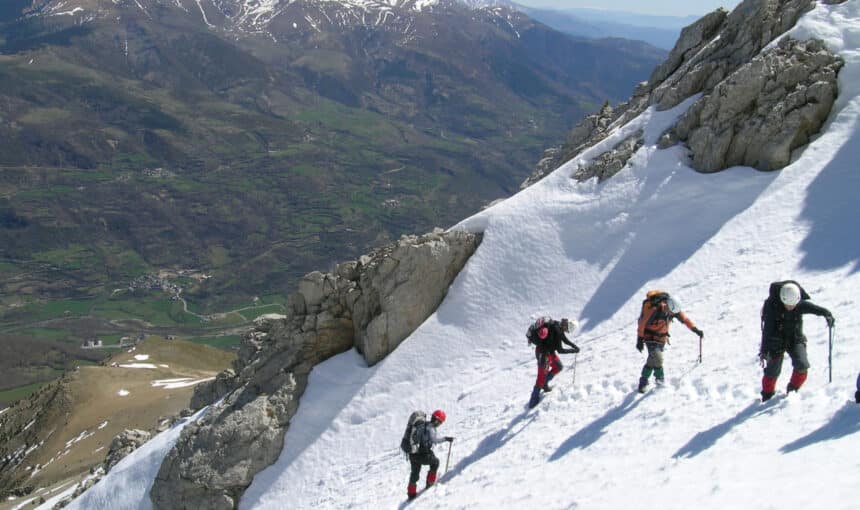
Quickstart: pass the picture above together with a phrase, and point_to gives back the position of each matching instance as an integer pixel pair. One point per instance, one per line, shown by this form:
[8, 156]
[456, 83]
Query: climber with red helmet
[547, 335]
[782, 332]
[426, 436]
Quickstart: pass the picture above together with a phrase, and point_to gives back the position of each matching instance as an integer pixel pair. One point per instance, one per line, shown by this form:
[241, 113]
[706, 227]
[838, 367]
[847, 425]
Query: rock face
[611, 162]
[764, 110]
[718, 56]
[590, 130]
[401, 285]
[373, 304]
[123, 444]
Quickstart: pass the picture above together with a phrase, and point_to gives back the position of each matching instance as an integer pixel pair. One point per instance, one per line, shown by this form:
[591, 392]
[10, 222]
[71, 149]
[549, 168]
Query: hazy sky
[656, 7]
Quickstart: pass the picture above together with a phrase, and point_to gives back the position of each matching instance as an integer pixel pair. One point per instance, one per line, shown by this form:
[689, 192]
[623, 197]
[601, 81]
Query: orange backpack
[652, 300]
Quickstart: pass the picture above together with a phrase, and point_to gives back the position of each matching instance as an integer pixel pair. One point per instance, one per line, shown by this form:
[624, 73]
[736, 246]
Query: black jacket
[552, 343]
[782, 329]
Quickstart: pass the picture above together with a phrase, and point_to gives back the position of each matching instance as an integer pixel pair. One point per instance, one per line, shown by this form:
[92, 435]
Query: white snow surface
[128, 483]
[172, 384]
[590, 251]
[137, 365]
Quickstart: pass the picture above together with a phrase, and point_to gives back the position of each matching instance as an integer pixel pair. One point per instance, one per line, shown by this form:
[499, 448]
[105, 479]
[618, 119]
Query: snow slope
[591, 251]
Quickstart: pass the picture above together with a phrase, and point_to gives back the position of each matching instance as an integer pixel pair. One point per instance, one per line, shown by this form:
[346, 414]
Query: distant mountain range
[258, 140]
[404, 107]
[659, 31]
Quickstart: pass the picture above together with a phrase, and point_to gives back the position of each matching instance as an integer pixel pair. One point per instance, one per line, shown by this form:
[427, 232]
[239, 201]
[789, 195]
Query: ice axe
[830, 354]
[700, 348]
[448, 460]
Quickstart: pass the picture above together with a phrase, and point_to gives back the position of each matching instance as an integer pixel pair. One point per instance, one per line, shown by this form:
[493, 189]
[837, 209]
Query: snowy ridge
[257, 15]
[591, 251]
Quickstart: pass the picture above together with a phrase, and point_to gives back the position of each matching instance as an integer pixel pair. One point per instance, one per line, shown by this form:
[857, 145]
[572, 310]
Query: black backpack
[532, 333]
[416, 437]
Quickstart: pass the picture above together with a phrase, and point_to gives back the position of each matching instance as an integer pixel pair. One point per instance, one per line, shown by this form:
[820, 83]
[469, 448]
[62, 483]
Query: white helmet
[789, 294]
[674, 304]
[569, 325]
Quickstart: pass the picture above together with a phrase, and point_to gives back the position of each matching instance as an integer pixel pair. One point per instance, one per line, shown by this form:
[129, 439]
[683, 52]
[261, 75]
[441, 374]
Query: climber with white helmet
[782, 331]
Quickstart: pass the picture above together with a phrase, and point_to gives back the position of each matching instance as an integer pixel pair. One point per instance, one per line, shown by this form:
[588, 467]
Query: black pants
[799, 360]
[422, 459]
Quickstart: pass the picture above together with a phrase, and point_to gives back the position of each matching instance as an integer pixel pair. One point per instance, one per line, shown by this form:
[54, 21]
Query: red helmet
[439, 415]
[543, 332]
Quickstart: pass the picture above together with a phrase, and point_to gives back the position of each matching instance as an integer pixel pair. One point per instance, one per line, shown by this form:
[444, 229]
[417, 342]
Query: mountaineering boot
[796, 381]
[546, 387]
[660, 382]
[412, 491]
[535, 397]
[643, 383]
[431, 479]
[768, 387]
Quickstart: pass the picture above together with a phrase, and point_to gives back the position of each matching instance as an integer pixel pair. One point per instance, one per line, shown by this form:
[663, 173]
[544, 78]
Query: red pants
[547, 364]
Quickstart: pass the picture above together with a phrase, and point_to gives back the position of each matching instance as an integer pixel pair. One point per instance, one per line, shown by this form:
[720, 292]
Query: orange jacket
[655, 327]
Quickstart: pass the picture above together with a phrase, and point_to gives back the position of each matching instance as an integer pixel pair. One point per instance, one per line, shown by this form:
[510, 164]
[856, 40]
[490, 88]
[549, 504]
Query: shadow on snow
[648, 237]
[492, 443]
[831, 206]
[845, 422]
[708, 438]
[592, 432]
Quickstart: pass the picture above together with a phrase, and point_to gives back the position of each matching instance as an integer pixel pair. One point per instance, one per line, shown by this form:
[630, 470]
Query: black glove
[698, 332]
[574, 349]
[640, 343]
[830, 321]
[450, 439]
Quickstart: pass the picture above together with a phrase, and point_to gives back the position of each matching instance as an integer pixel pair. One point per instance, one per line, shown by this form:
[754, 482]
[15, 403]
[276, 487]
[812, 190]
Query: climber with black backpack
[418, 440]
[658, 310]
[782, 331]
[547, 335]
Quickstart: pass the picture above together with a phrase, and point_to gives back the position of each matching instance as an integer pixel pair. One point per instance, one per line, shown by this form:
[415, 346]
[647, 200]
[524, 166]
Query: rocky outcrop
[400, 285]
[373, 304]
[712, 52]
[611, 162]
[708, 53]
[590, 130]
[762, 111]
[123, 444]
[208, 392]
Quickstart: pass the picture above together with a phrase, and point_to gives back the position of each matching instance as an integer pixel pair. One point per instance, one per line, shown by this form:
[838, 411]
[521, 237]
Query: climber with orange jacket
[658, 311]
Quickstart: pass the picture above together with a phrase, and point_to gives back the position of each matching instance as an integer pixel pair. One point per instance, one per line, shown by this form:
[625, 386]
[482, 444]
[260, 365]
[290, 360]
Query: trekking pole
[448, 460]
[574, 368]
[830, 354]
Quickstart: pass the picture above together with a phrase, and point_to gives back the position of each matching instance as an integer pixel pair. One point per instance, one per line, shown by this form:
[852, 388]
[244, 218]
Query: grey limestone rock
[764, 110]
[123, 444]
[372, 304]
[707, 53]
[611, 162]
[402, 285]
